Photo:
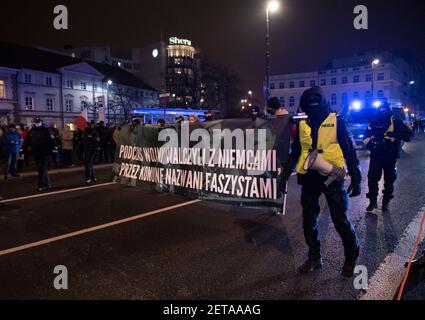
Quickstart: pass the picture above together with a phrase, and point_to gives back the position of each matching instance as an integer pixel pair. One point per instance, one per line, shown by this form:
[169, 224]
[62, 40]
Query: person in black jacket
[90, 142]
[41, 143]
[384, 141]
[327, 133]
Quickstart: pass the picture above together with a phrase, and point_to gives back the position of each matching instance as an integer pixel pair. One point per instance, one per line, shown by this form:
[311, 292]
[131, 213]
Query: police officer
[384, 140]
[328, 134]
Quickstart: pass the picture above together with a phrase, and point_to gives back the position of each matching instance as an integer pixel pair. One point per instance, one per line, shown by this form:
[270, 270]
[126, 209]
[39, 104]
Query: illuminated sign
[178, 41]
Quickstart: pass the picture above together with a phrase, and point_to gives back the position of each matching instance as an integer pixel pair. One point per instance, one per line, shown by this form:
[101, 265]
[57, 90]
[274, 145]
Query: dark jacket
[344, 140]
[90, 142]
[41, 141]
[379, 146]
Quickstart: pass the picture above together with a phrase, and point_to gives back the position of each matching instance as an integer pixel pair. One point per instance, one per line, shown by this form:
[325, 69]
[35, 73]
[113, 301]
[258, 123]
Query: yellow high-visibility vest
[327, 143]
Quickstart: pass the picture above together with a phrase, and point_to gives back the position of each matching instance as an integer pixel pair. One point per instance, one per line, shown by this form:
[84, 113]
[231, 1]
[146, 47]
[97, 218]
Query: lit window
[49, 104]
[2, 90]
[29, 103]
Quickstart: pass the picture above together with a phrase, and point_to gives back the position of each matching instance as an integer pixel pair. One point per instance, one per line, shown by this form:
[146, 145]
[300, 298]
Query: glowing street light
[272, 6]
[374, 63]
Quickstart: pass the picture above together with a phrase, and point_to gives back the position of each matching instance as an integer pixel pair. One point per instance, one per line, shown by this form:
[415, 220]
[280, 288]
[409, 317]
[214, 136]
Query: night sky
[306, 34]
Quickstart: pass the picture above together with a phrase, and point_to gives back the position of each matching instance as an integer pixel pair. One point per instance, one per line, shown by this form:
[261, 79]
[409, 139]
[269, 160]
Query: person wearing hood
[327, 133]
[384, 141]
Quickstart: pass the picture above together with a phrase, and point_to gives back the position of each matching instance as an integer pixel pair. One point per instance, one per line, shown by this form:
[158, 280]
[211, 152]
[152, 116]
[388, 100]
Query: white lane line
[386, 280]
[41, 195]
[93, 229]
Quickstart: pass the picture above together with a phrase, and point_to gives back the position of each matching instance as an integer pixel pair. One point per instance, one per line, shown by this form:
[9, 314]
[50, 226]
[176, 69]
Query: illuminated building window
[2, 90]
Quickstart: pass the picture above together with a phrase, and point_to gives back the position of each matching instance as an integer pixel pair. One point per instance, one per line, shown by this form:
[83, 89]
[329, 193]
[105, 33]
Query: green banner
[231, 161]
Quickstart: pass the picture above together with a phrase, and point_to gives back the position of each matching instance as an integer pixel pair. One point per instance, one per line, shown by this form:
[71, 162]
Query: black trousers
[42, 163]
[379, 166]
[313, 187]
[89, 160]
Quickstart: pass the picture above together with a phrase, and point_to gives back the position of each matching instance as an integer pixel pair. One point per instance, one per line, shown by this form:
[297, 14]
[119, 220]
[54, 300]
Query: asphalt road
[202, 250]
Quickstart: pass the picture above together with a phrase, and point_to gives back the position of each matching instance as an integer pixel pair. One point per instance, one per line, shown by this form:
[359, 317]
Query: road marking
[386, 280]
[93, 229]
[41, 195]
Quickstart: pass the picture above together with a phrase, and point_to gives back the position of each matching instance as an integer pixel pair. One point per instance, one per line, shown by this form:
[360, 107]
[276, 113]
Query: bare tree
[221, 88]
[122, 100]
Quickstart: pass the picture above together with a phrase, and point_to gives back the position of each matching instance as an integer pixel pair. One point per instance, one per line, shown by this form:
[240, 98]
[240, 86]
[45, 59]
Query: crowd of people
[47, 147]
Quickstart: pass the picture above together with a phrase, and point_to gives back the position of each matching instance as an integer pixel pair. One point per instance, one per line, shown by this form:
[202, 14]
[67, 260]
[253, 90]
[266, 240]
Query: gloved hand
[355, 189]
[390, 134]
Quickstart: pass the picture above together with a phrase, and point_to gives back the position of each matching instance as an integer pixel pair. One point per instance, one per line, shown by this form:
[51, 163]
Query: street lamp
[109, 83]
[272, 6]
[374, 63]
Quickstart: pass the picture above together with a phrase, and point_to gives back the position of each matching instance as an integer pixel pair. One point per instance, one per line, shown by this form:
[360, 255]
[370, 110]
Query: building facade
[170, 67]
[57, 88]
[351, 79]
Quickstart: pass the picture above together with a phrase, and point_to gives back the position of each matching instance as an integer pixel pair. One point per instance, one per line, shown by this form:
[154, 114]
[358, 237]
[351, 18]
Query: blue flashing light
[377, 104]
[356, 105]
[361, 136]
[167, 111]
